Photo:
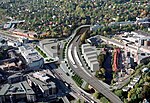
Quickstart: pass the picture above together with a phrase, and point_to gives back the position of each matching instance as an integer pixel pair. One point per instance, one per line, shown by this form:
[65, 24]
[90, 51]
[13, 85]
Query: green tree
[119, 93]
[129, 95]
[104, 100]
[103, 70]
[146, 91]
[125, 100]
[83, 37]
[78, 101]
[96, 94]
[101, 58]
[1, 56]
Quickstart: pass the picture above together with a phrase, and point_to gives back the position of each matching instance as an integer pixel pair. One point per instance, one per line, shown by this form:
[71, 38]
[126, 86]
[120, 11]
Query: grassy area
[41, 52]
[78, 80]
[64, 49]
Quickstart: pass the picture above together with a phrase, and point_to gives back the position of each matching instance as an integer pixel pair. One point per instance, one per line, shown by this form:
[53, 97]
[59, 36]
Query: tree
[146, 91]
[114, 74]
[3, 41]
[129, 95]
[133, 97]
[119, 93]
[80, 101]
[101, 59]
[104, 100]
[141, 81]
[103, 70]
[1, 56]
[138, 90]
[66, 30]
[83, 36]
[83, 21]
[125, 100]
[96, 94]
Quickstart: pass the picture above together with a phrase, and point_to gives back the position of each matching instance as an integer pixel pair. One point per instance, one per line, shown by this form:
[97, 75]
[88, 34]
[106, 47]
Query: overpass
[93, 81]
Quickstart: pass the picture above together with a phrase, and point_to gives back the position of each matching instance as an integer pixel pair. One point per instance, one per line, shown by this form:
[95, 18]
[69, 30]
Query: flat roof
[94, 62]
[49, 41]
[87, 49]
[4, 89]
[15, 75]
[85, 45]
[41, 76]
[50, 44]
[91, 52]
[16, 88]
[38, 82]
[52, 47]
[43, 85]
[126, 88]
[131, 84]
[92, 56]
[139, 32]
[29, 53]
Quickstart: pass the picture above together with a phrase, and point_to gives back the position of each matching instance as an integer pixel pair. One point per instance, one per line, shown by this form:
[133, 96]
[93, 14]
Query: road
[121, 45]
[94, 82]
[65, 99]
[7, 36]
[75, 90]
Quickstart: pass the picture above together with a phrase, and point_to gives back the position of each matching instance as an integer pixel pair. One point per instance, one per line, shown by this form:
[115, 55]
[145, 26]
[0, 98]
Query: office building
[46, 87]
[17, 92]
[32, 58]
[139, 38]
[90, 56]
[15, 78]
[50, 47]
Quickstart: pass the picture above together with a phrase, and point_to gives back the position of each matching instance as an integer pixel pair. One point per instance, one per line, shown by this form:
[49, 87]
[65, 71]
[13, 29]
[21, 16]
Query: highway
[94, 82]
[75, 90]
[7, 36]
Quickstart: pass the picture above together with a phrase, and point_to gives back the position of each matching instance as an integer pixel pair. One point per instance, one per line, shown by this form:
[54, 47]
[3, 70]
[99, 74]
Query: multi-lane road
[77, 68]
[74, 89]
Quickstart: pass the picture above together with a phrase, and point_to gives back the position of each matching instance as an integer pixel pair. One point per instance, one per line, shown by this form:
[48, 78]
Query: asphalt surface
[94, 82]
[75, 90]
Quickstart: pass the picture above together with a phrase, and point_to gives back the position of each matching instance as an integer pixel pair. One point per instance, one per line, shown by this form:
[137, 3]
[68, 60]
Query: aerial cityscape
[74, 51]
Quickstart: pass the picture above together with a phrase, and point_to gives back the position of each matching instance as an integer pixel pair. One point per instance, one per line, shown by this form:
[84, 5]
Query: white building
[138, 44]
[14, 43]
[140, 38]
[32, 58]
[145, 70]
[50, 47]
[23, 39]
[90, 55]
[95, 27]
[41, 76]
[46, 86]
